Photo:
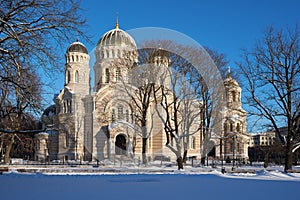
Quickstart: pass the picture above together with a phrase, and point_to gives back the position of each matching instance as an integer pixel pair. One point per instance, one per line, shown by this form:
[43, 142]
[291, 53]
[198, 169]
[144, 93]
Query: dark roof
[77, 47]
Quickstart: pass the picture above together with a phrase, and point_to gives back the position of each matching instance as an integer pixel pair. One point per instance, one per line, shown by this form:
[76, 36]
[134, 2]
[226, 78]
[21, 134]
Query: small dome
[117, 37]
[229, 81]
[159, 53]
[77, 47]
[50, 111]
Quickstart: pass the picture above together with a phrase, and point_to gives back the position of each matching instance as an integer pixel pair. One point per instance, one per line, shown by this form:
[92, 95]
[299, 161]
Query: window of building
[68, 76]
[66, 140]
[233, 96]
[238, 127]
[77, 76]
[69, 105]
[107, 75]
[127, 116]
[231, 127]
[64, 107]
[113, 115]
[120, 112]
[192, 142]
[118, 74]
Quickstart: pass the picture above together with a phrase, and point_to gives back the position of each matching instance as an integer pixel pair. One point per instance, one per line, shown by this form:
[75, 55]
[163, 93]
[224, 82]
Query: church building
[92, 124]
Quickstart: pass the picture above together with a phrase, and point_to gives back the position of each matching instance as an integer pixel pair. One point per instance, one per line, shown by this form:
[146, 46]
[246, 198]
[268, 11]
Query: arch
[120, 144]
[76, 76]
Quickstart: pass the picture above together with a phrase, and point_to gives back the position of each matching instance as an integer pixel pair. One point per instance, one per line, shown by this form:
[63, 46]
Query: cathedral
[92, 124]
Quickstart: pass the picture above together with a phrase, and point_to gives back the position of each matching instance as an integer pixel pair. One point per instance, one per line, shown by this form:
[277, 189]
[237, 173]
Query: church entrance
[120, 145]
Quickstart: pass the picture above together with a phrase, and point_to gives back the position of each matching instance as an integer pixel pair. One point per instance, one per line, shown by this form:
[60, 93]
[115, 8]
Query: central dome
[117, 37]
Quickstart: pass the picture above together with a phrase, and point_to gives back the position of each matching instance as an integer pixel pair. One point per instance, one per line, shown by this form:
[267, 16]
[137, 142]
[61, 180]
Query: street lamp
[221, 153]
[233, 151]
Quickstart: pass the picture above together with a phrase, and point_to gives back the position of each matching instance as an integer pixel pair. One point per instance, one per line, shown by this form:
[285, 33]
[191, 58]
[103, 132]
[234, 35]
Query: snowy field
[149, 183]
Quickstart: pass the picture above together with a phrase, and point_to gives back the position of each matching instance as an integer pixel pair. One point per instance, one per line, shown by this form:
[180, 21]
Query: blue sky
[226, 26]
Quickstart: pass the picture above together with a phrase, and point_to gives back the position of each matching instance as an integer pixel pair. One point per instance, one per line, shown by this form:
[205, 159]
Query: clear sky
[224, 25]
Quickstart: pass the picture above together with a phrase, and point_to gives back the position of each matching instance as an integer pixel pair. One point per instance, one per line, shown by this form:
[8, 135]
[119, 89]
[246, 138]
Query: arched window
[77, 76]
[68, 76]
[72, 58]
[70, 104]
[231, 127]
[113, 115]
[77, 58]
[66, 142]
[127, 116]
[238, 127]
[107, 75]
[64, 107]
[225, 128]
[120, 112]
[233, 96]
[118, 74]
[193, 143]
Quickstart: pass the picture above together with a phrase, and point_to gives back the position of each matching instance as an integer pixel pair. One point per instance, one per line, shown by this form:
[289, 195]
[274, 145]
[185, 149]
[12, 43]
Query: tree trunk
[288, 156]
[8, 149]
[203, 160]
[180, 162]
[266, 160]
[144, 150]
[185, 156]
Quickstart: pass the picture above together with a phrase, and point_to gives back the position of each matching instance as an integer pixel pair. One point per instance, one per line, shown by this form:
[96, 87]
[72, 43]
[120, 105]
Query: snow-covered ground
[147, 182]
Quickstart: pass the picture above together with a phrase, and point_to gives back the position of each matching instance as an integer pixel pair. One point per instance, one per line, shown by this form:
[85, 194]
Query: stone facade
[95, 124]
[233, 142]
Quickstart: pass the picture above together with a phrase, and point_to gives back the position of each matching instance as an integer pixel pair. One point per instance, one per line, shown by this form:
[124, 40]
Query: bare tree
[30, 32]
[210, 98]
[272, 73]
[139, 84]
[179, 109]
[18, 105]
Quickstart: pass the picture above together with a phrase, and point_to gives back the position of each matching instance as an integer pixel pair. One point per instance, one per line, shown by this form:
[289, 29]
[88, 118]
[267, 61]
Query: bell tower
[234, 126]
[77, 70]
[233, 92]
